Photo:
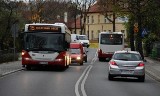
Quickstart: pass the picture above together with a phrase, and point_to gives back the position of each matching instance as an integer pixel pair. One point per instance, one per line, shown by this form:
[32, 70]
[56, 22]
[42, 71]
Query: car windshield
[75, 51]
[127, 56]
[44, 42]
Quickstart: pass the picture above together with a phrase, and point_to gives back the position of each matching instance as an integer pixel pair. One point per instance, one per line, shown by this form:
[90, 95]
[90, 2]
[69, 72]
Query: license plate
[127, 72]
[43, 62]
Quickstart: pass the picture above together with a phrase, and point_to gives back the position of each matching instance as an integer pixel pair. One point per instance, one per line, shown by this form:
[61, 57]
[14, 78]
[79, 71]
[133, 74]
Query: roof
[94, 8]
[75, 45]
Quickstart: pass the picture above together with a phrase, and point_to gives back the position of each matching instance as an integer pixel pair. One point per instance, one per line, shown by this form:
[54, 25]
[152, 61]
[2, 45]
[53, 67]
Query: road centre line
[83, 82]
[77, 83]
[84, 77]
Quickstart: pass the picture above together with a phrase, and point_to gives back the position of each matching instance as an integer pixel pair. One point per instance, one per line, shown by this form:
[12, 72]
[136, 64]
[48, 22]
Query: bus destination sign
[44, 28]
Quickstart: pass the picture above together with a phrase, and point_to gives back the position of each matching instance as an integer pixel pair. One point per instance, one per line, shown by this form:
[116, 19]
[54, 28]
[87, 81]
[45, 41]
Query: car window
[75, 51]
[127, 56]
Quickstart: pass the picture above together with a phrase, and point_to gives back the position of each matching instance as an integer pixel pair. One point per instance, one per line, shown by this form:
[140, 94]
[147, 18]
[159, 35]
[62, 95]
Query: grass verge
[93, 45]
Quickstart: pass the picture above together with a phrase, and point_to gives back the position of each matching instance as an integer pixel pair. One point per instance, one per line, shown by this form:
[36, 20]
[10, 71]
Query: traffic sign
[136, 29]
[135, 24]
[144, 32]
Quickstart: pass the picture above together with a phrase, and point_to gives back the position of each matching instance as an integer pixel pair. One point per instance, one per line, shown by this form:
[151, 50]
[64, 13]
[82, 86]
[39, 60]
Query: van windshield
[83, 38]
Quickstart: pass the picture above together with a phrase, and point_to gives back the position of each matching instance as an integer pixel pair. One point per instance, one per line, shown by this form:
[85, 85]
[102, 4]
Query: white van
[84, 40]
[74, 37]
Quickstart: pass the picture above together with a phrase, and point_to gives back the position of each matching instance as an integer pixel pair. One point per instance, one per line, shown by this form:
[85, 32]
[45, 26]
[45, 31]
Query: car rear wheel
[141, 79]
[110, 77]
[101, 59]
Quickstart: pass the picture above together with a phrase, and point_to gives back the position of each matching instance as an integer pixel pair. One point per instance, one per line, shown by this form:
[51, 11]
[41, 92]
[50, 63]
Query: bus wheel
[101, 59]
[67, 66]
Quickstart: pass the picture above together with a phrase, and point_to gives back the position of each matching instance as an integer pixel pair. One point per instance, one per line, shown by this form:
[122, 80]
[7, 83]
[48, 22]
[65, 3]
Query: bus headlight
[27, 58]
[59, 60]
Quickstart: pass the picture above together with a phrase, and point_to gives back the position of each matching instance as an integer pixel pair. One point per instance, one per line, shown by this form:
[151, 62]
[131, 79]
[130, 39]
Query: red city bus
[46, 45]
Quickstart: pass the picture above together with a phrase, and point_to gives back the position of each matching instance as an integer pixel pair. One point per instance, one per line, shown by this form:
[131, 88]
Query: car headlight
[78, 58]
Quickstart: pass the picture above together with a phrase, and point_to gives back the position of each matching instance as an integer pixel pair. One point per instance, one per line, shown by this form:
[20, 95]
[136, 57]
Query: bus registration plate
[43, 62]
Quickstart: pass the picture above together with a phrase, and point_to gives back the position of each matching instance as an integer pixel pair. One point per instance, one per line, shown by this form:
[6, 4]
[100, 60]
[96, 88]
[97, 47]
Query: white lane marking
[77, 83]
[83, 82]
[83, 78]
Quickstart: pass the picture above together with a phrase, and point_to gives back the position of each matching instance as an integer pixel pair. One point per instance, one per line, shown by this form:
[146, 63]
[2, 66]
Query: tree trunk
[131, 35]
[139, 38]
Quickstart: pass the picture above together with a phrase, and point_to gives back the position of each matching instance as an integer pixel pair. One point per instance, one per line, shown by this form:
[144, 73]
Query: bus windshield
[111, 39]
[44, 42]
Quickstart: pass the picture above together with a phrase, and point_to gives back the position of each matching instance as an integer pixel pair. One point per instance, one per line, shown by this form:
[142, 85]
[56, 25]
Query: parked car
[78, 54]
[127, 64]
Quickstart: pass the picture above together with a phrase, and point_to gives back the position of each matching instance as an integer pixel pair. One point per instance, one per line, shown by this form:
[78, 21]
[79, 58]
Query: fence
[156, 50]
[8, 55]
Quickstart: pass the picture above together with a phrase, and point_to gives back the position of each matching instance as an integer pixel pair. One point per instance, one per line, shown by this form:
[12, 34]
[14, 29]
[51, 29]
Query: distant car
[78, 54]
[127, 64]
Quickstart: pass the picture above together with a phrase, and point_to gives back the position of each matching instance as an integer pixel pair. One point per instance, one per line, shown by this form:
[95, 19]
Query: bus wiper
[44, 49]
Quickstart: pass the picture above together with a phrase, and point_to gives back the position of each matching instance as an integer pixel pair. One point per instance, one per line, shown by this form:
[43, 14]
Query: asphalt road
[87, 80]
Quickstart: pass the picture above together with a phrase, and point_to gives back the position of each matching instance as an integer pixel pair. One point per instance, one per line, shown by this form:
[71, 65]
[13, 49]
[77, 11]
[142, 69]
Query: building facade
[97, 22]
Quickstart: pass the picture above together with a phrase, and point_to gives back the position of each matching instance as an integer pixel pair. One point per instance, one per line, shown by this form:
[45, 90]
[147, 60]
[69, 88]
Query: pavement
[10, 67]
[152, 68]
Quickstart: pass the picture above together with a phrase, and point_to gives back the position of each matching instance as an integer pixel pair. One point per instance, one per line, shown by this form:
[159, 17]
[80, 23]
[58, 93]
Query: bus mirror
[67, 45]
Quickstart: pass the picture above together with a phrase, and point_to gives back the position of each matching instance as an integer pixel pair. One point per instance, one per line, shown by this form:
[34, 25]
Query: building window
[92, 34]
[98, 19]
[106, 20]
[109, 30]
[98, 33]
[88, 19]
[123, 31]
[92, 19]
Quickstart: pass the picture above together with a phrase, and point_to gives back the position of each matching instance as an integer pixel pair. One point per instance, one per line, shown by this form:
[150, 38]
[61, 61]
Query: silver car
[127, 64]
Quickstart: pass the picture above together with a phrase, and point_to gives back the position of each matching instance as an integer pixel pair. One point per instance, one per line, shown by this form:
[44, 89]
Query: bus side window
[103, 41]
